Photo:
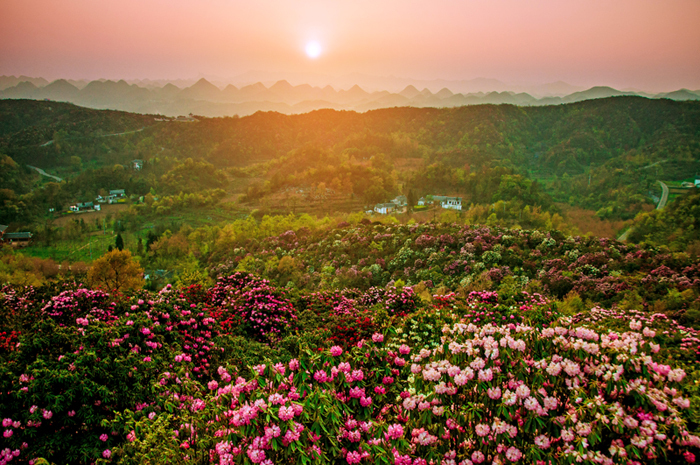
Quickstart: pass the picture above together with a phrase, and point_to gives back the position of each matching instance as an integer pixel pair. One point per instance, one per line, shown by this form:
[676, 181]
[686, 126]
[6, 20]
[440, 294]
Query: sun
[313, 49]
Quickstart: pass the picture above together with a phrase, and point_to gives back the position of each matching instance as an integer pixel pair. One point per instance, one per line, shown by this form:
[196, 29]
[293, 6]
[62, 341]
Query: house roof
[3, 227]
[18, 235]
[385, 205]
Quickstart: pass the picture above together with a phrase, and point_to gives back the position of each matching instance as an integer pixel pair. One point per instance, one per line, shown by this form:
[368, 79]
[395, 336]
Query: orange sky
[645, 44]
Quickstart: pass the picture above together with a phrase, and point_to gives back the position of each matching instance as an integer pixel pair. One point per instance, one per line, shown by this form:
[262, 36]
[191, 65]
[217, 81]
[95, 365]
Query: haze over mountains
[206, 99]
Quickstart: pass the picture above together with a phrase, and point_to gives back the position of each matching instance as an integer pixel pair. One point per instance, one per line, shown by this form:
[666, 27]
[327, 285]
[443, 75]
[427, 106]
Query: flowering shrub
[455, 256]
[263, 311]
[502, 394]
[80, 303]
[153, 378]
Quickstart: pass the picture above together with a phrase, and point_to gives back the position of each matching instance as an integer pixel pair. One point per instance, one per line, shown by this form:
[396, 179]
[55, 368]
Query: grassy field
[84, 249]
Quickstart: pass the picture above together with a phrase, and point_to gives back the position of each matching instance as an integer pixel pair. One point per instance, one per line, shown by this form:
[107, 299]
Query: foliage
[678, 225]
[116, 270]
[152, 377]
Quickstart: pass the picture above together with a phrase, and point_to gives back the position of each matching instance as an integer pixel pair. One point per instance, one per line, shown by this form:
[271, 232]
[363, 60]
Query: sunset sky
[643, 44]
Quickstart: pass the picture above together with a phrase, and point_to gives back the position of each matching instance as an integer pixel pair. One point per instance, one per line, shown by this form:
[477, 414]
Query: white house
[454, 203]
[385, 208]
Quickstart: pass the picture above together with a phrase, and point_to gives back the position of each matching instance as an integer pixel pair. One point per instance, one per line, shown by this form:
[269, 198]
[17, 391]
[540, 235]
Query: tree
[119, 242]
[411, 199]
[116, 270]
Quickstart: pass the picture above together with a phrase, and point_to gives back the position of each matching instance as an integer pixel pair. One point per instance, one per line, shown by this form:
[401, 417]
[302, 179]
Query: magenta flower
[286, 413]
[353, 457]
[106, 453]
[336, 351]
[394, 431]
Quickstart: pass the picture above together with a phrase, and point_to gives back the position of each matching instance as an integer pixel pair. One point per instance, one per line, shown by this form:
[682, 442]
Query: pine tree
[119, 242]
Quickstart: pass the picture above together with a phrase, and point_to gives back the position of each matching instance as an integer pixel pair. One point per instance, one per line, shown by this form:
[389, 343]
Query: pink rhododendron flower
[494, 393]
[394, 431]
[286, 413]
[486, 375]
[336, 351]
[353, 457]
[482, 430]
[478, 456]
[542, 441]
[513, 454]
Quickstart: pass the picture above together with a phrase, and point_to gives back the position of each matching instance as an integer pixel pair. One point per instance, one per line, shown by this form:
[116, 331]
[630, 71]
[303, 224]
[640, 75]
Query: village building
[453, 203]
[385, 208]
[84, 207]
[115, 195]
[400, 201]
[17, 239]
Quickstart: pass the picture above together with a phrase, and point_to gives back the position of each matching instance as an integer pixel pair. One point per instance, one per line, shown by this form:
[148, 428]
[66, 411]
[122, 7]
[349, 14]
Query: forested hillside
[604, 155]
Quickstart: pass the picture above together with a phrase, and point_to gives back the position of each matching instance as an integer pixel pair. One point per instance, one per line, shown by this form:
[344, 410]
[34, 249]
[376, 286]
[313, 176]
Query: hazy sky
[646, 44]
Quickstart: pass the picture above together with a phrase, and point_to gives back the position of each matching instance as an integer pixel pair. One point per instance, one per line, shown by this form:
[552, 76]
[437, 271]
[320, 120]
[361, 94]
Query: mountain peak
[444, 93]
[409, 91]
[203, 84]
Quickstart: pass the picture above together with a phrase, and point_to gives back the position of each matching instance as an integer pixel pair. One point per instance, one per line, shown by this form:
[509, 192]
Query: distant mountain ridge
[206, 99]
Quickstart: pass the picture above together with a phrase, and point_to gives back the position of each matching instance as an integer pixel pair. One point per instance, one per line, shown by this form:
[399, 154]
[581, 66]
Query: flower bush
[469, 377]
[263, 312]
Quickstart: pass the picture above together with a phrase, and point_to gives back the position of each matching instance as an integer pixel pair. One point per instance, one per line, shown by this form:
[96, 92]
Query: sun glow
[313, 49]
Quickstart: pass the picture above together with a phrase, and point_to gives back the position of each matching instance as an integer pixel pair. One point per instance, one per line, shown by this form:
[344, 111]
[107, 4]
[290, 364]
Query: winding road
[44, 173]
[102, 135]
[664, 196]
[659, 206]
